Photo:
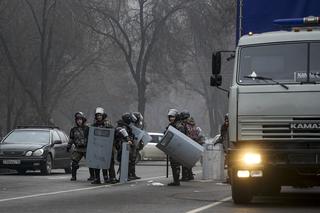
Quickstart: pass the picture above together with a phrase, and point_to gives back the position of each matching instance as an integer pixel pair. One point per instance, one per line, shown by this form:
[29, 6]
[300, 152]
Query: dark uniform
[193, 132]
[78, 138]
[111, 177]
[127, 119]
[175, 165]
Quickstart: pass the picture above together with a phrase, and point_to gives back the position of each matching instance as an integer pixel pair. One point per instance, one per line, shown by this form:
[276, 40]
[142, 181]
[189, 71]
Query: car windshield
[156, 138]
[28, 136]
[286, 63]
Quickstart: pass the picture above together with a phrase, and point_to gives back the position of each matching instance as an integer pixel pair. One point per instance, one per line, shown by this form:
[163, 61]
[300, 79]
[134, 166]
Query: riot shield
[180, 147]
[124, 163]
[99, 148]
[139, 135]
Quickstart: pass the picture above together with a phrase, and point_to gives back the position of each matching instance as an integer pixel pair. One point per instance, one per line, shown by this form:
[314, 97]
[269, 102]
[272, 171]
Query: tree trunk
[10, 101]
[142, 97]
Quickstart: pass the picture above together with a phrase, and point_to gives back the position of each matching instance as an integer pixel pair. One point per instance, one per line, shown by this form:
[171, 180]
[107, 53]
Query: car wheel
[47, 167]
[21, 171]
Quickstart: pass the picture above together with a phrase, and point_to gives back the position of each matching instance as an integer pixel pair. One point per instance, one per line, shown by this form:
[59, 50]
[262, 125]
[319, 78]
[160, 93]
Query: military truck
[274, 100]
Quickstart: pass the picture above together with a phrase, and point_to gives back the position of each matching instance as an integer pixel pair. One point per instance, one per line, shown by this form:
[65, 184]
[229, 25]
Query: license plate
[11, 161]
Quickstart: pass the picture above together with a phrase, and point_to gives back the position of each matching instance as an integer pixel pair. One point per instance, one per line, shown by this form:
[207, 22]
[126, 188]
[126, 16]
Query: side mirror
[57, 142]
[216, 80]
[216, 63]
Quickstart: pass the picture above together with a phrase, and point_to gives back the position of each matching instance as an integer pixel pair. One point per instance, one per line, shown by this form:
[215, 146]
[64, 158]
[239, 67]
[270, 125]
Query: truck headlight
[38, 152]
[252, 158]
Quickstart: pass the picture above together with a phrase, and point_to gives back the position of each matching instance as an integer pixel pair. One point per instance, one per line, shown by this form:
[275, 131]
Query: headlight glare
[252, 158]
[38, 152]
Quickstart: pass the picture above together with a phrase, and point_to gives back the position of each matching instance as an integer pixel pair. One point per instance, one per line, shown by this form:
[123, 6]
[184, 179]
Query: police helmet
[139, 116]
[173, 112]
[184, 115]
[129, 118]
[99, 110]
[80, 115]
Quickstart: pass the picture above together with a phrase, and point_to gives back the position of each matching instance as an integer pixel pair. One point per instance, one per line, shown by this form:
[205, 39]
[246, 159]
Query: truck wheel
[241, 193]
[47, 167]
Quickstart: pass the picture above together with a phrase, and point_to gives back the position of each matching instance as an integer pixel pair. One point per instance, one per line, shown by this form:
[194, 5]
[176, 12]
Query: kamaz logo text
[305, 126]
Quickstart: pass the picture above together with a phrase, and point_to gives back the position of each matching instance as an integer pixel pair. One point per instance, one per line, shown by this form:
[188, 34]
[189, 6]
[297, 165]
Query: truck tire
[241, 192]
[47, 167]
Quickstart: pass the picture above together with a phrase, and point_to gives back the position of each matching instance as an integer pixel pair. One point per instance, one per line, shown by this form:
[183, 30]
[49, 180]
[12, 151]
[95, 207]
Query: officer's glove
[219, 140]
[68, 148]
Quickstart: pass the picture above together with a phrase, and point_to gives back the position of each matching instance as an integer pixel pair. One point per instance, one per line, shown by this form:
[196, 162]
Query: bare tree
[45, 52]
[134, 26]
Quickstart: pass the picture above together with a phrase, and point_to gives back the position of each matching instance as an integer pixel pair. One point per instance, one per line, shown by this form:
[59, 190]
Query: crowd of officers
[123, 133]
[182, 121]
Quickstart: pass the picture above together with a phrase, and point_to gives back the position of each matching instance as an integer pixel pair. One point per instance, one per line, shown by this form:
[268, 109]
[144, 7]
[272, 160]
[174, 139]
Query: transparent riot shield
[180, 147]
[139, 135]
[99, 148]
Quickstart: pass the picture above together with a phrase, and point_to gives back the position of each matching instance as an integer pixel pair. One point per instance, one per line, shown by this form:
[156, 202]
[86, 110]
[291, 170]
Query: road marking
[71, 190]
[53, 193]
[57, 178]
[209, 206]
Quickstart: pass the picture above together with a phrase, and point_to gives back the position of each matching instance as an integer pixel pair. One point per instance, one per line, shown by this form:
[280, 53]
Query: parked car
[35, 148]
[150, 151]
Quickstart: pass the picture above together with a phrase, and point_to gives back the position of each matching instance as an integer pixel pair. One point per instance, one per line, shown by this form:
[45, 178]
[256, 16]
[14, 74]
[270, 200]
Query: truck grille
[301, 128]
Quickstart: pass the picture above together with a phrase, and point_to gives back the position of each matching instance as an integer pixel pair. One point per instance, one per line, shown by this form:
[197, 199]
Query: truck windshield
[286, 63]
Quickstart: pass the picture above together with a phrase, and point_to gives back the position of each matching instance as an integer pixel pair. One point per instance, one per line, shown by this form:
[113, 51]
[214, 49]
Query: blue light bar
[294, 22]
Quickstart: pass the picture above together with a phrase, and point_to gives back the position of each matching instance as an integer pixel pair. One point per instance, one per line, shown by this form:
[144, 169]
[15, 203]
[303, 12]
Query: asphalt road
[35, 193]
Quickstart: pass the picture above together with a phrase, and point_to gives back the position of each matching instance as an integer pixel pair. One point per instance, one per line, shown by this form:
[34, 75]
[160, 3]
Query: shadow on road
[288, 199]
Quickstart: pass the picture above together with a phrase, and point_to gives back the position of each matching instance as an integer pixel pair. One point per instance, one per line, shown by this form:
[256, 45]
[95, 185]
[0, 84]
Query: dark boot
[105, 176]
[96, 177]
[175, 174]
[185, 174]
[74, 174]
[191, 175]
[91, 172]
[133, 173]
[74, 168]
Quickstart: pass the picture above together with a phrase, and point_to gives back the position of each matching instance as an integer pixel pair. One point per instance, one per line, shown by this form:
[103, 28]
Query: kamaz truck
[274, 100]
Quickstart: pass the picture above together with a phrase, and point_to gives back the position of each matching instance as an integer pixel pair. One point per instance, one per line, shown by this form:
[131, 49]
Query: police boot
[134, 174]
[91, 172]
[96, 177]
[130, 172]
[105, 176]
[112, 175]
[185, 174]
[74, 167]
[191, 175]
[175, 174]
[74, 175]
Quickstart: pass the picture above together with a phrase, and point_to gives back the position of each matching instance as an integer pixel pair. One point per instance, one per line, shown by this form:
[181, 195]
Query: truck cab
[274, 112]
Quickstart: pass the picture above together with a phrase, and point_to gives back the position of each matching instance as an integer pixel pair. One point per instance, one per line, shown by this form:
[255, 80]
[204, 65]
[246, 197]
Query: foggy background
[62, 56]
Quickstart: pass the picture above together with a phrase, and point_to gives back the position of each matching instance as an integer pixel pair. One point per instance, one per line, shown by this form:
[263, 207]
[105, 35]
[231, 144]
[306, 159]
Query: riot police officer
[101, 120]
[78, 138]
[124, 134]
[193, 132]
[173, 117]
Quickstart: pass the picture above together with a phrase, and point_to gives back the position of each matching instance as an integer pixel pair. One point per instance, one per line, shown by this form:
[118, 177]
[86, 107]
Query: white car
[150, 151]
